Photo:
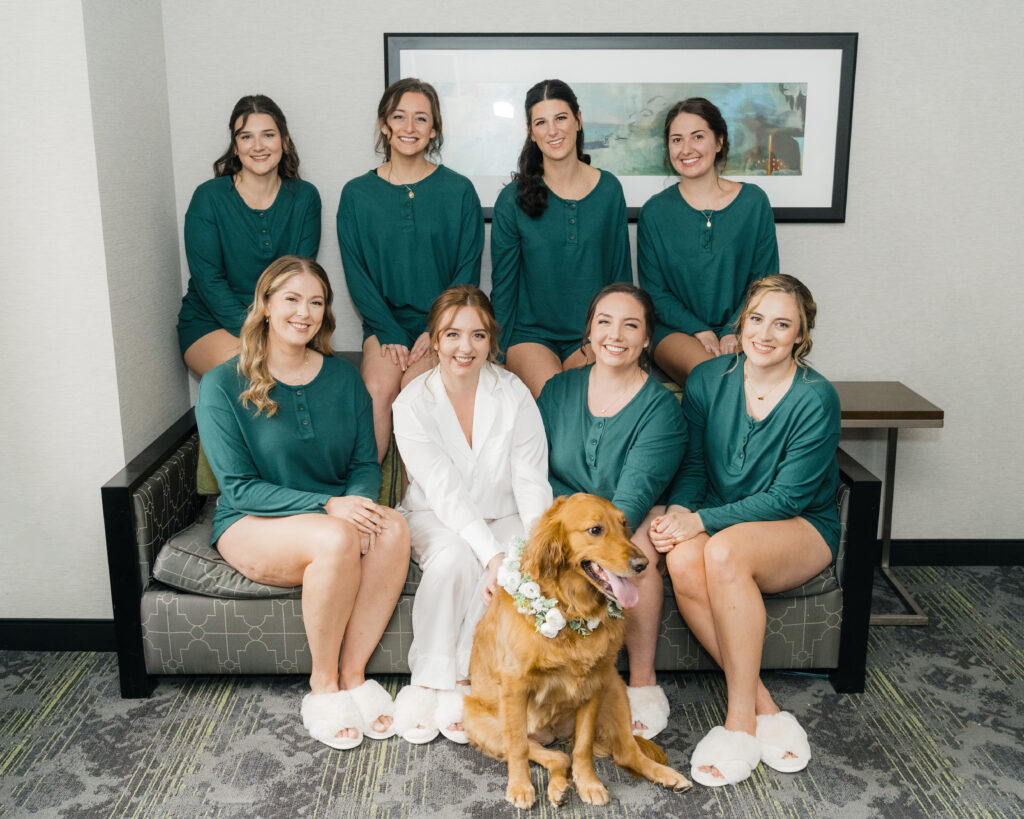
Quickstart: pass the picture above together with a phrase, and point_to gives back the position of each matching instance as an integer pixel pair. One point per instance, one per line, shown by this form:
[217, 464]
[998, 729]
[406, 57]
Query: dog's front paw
[592, 791]
[558, 787]
[521, 794]
[671, 778]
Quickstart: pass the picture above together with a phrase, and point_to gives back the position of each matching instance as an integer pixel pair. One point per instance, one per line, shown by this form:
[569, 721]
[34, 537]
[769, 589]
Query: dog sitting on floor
[544, 654]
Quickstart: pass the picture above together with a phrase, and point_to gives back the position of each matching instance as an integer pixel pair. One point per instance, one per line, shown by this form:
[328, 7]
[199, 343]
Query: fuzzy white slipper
[780, 734]
[373, 701]
[449, 710]
[415, 705]
[734, 753]
[649, 705]
[324, 715]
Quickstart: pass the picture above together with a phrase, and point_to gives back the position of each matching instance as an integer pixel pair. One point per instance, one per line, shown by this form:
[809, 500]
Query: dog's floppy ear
[545, 554]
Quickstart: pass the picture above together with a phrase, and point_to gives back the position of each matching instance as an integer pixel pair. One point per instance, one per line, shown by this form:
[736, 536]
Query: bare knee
[334, 546]
[395, 537]
[723, 559]
[685, 565]
[382, 385]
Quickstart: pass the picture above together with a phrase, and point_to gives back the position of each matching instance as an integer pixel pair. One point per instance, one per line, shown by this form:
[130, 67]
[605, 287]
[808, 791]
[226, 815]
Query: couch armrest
[858, 573]
[127, 514]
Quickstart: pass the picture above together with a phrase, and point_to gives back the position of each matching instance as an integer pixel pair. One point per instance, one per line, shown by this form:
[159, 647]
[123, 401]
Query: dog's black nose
[638, 564]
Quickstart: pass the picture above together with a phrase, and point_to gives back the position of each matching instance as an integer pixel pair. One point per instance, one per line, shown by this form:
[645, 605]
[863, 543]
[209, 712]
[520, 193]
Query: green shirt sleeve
[765, 260]
[206, 264]
[506, 259]
[650, 251]
[366, 292]
[241, 486]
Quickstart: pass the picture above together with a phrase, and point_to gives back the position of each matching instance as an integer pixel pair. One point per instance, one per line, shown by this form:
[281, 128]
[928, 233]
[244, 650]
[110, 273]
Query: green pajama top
[400, 253]
[738, 470]
[628, 458]
[319, 445]
[228, 246]
[546, 270]
[698, 275]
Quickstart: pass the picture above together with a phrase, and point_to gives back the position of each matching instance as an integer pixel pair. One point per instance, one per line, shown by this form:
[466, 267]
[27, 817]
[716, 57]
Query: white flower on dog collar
[548, 620]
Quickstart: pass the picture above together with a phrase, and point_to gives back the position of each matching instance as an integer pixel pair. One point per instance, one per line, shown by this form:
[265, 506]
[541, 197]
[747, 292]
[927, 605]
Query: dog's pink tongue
[624, 591]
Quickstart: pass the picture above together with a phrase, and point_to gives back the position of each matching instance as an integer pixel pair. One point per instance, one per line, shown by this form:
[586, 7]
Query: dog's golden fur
[524, 683]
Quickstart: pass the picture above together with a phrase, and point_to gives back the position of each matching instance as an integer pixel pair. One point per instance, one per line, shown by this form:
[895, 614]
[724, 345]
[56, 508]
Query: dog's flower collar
[548, 620]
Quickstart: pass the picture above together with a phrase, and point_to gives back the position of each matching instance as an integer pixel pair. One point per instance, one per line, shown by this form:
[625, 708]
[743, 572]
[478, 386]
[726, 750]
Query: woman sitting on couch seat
[752, 511]
[615, 431]
[288, 430]
[473, 443]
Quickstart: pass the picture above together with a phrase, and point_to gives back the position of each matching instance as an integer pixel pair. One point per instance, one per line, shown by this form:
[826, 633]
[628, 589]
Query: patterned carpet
[939, 732]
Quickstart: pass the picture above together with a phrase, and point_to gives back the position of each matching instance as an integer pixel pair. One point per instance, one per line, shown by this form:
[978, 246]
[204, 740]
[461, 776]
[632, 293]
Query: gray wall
[121, 108]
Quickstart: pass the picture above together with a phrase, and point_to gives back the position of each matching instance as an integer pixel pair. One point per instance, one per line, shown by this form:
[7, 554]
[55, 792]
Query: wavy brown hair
[252, 361]
[463, 295]
[228, 164]
[390, 101]
[807, 310]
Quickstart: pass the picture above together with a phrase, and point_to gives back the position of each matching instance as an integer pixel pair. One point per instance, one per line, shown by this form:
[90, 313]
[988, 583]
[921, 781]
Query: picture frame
[787, 99]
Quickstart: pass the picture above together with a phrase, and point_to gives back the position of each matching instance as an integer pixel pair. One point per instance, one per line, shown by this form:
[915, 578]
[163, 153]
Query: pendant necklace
[411, 188]
[707, 215]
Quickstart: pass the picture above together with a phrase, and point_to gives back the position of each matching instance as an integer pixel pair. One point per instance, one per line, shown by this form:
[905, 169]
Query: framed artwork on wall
[787, 99]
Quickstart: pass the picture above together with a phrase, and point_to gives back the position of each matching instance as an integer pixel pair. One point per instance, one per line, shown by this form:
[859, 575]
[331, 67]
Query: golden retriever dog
[527, 683]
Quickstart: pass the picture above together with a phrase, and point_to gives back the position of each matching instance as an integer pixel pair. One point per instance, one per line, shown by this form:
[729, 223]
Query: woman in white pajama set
[473, 444]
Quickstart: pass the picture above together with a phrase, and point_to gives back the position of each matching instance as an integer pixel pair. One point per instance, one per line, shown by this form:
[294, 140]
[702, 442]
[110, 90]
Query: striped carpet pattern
[939, 732]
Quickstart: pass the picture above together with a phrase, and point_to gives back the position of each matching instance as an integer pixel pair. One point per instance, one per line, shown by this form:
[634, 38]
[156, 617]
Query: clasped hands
[676, 525]
[363, 513]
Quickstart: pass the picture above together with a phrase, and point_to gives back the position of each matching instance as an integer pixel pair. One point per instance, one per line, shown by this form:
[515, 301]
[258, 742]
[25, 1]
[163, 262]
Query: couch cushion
[188, 562]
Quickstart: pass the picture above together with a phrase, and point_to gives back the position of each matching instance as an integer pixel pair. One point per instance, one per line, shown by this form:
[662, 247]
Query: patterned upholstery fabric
[188, 562]
[189, 633]
[165, 504]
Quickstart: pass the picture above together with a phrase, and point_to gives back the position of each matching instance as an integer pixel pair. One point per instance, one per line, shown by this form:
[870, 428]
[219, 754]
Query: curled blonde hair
[252, 361]
[806, 308]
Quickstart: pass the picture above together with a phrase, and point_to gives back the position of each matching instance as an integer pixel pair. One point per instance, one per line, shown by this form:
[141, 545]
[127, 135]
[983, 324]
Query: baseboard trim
[57, 635]
[909, 552]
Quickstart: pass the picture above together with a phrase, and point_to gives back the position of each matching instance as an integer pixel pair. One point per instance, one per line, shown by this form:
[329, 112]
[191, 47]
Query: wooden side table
[888, 405]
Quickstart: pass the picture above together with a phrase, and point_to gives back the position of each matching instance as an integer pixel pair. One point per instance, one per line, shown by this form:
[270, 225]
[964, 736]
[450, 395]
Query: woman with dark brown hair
[253, 211]
[558, 236]
[701, 242]
[288, 430]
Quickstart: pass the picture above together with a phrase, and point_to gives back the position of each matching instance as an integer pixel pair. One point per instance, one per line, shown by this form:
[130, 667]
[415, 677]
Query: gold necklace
[411, 188]
[746, 383]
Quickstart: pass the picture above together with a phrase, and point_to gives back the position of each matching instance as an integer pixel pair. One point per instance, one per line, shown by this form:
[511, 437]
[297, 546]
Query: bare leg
[317, 551]
[678, 354]
[740, 564]
[685, 565]
[644, 618]
[533, 363]
[383, 574]
[210, 350]
[383, 379]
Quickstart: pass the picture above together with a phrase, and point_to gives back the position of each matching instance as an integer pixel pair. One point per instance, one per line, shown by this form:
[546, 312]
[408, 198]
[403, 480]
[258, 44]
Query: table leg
[918, 617]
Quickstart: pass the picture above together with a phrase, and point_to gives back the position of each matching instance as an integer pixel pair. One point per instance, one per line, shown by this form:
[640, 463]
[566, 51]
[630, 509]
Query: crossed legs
[535, 364]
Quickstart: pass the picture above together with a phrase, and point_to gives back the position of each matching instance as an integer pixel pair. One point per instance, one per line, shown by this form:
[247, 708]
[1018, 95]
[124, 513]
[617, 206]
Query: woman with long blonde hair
[288, 430]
